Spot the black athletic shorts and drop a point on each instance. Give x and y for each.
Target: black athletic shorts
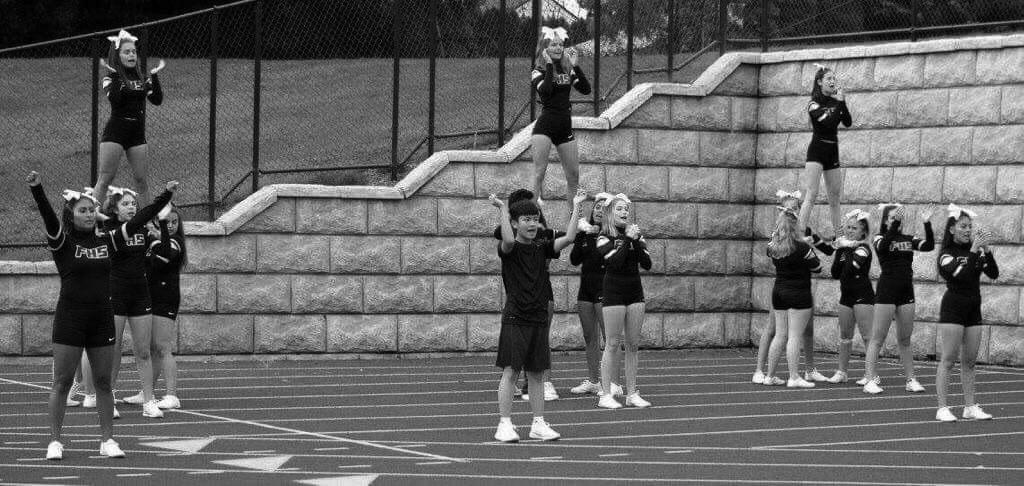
(960, 309)
(83, 327)
(127, 133)
(850, 297)
(556, 127)
(784, 298)
(130, 297)
(165, 298)
(524, 348)
(894, 291)
(591, 288)
(618, 290)
(825, 153)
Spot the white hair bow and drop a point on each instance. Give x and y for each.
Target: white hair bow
(602, 197)
(882, 206)
(122, 36)
(555, 33)
(858, 214)
(957, 211)
(820, 66)
(70, 195)
(112, 191)
(783, 194)
(623, 197)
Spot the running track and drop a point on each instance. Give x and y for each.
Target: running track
(431, 421)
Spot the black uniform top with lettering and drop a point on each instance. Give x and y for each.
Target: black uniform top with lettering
(554, 86)
(627, 262)
(129, 262)
(896, 250)
(962, 269)
(826, 114)
(524, 273)
(793, 271)
(163, 264)
(585, 255)
(128, 94)
(851, 266)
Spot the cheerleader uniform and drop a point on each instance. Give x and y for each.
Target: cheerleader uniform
(792, 288)
(163, 267)
(129, 287)
(128, 95)
(622, 284)
(896, 257)
(852, 267)
(554, 87)
(826, 114)
(592, 267)
(962, 270)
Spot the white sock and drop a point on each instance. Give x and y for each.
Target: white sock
(505, 420)
(538, 419)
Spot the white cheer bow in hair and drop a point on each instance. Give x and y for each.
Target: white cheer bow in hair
(858, 214)
(957, 211)
(783, 194)
(555, 33)
(821, 67)
(623, 197)
(112, 191)
(602, 197)
(70, 195)
(122, 36)
(882, 206)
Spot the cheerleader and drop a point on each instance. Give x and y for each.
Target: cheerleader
(84, 318)
(125, 132)
(895, 293)
(588, 300)
(826, 110)
(625, 251)
(851, 266)
(792, 302)
(555, 75)
(964, 257)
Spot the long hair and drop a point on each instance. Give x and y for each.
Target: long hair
(607, 225)
(180, 234)
(114, 61)
(947, 237)
(67, 215)
(110, 205)
(816, 95)
(883, 226)
(543, 43)
(786, 235)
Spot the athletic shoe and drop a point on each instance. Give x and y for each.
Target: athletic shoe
(913, 386)
(839, 377)
(149, 409)
(975, 412)
(758, 377)
(585, 387)
(168, 402)
(517, 391)
(550, 393)
(634, 400)
(71, 402)
(89, 401)
(110, 449)
(814, 375)
(872, 386)
(116, 400)
(117, 414)
(543, 431)
(608, 402)
(798, 383)
(136, 399)
(944, 415)
(616, 390)
(506, 432)
(773, 381)
(55, 451)
(862, 381)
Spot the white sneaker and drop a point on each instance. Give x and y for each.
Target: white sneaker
(550, 393)
(168, 402)
(758, 377)
(839, 377)
(506, 432)
(116, 400)
(944, 415)
(543, 431)
(55, 451)
(586, 387)
(872, 386)
(975, 412)
(89, 401)
(634, 400)
(117, 414)
(518, 391)
(914, 386)
(773, 381)
(798, 383)
(607, 401)
(815, 375)
(70, 401)
(862, 381)
(149, 409)
(136, 399)
(616, 390)
(110, 449)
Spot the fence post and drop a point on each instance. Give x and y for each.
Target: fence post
(765, 5)
(597, 57)
(629, 45)
(671, 48)
(395, 77)
(722, 14)
(433, 77)
(256, 88)
(95, 44)
(501, 72)
(211, 182)
(537, 17)
(915, 10)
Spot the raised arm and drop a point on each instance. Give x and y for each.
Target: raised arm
(508, 238)
(155, 93)
(54, 232)
(844, 114)
(580, 83)
(147, 213)
(812, 260)
(928, 243)
(572, 226)
(544, 82)
(113, 86)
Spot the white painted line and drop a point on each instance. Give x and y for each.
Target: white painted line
(354, 466)
(679, 452)
(31, 459)
(268, 451)
(23, 442)
(134, 475)
(323, 436)
(411, 446)
(901, 439)
(433, 463)
(546, 458)
(331, 449)
(894, 451)
(621, 454)
(651, 480)
(58, 478)
(207, 472)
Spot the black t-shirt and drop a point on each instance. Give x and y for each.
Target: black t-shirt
(524, 272)
(793, 271)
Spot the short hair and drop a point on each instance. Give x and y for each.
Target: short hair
(519, 195)
(525, 207)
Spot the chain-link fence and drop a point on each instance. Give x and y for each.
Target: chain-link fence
(267, 91)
